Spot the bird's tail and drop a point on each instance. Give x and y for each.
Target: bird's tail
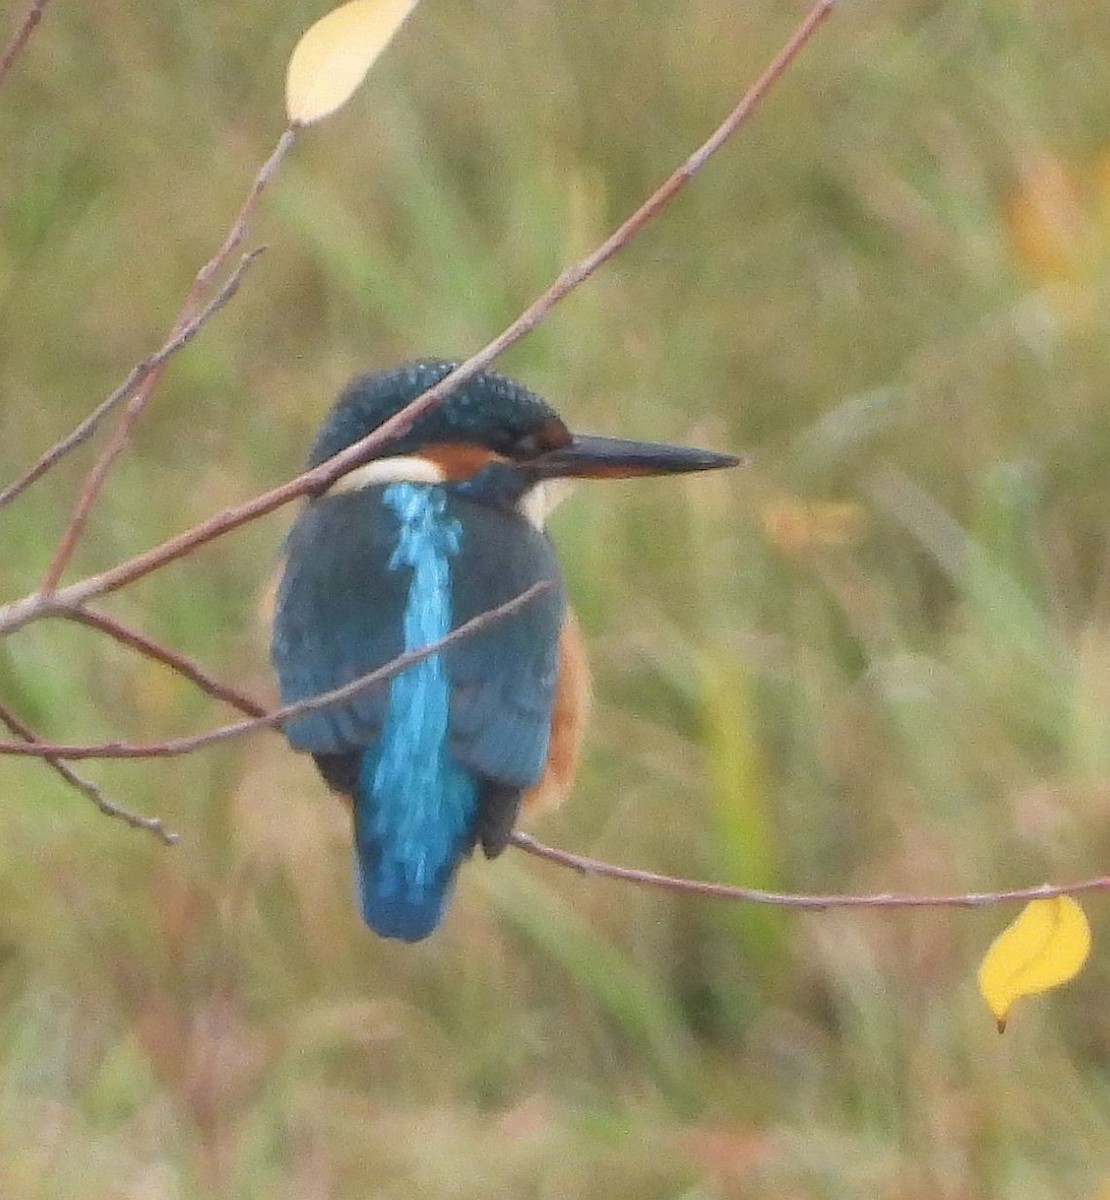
(390, 908)
(408, 847)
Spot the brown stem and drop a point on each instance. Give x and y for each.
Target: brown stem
(169, 657)
(722, 891)
(19, 39)
(120, 439)
(31, 607)
(574, 276)
(134, 377)
(186, 745)
(239, 226)
(106, 806)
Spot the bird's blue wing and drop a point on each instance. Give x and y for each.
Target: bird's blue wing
(338, 616)
(435, 759)
(503, 679)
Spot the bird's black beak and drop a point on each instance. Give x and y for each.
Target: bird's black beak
(591, 457)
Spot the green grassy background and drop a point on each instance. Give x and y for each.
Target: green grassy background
(878, 659)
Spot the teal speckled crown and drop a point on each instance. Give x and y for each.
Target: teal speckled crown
(488, 410)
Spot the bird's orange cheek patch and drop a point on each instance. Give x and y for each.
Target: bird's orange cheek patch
(461, 461)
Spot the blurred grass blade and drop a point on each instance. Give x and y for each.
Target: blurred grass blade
(333, 56)
(1010, 617)
(745, 833)
(643, 1011)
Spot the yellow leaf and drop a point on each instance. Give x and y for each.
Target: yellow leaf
(1043, 948)
(333, 56)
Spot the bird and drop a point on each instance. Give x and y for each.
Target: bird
(441, 525)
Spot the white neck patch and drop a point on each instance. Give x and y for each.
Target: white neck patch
(402, 468)
(539, 502)
(536, 505)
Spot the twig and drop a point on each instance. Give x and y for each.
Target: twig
(239, 226)
(721, 891)
(19, 39)
(120, 439)
(280, 716)
(106, 806)
(135, 376)
(169, 657)
(32, 607)
(574, 276)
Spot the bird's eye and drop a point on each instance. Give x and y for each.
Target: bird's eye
(553, 435)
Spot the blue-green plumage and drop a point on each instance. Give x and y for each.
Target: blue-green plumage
(489, 411)
(436, 759)
(414, 805)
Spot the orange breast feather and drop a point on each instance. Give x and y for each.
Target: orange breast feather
(568, 720)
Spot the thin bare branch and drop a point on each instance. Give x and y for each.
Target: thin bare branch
(94, 793)
(33, 607)
(19, 39)
(134, 377)
(120, 439)
(574, 276)
(241, 224)
(722, 891)
(280, 716)
(169, 657)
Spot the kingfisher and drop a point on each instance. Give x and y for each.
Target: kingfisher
(440, 526)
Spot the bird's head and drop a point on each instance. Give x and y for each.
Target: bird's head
(493, 439)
